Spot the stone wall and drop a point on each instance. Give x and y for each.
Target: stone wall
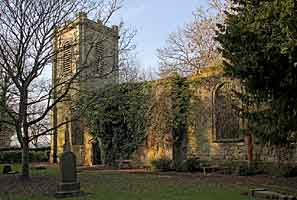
(276, 154)
(202, 141)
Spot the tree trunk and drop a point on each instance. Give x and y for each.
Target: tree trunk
(179, 153)
(55, 137)
(23, 132)
(25, 161)
(249, 143)
(109, 151)
(55, 146)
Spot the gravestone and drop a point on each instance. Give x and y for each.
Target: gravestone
(266, 194)
(69, 185)
(7, 169)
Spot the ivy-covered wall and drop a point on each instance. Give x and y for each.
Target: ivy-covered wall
(198, 117)
(116, 116)
(172, 118)
(167, 118)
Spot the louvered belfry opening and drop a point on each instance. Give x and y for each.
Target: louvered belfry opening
(4, 138)
(99, 50)
(67, 58)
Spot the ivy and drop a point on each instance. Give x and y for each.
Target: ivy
(117, 117)
(180, 97)
(123, 116)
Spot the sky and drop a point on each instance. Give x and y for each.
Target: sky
(154, 21)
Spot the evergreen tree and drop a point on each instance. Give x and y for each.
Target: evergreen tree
(259, 44)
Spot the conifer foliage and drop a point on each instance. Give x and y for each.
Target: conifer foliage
(259, 44)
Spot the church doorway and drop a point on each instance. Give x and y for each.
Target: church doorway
(96, 153)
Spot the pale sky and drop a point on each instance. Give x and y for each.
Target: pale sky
(154, 20)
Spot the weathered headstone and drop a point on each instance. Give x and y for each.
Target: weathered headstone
(7, 169)
(69, 185)
(261, 193)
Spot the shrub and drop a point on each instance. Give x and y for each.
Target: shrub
(283, 171)
(16, 156)
(273, 169)
(39, 156)
(189, 165)
(291, 172)
(244, 170)
(162, 164)
(11, 156)
(192, 165)
(237, 167)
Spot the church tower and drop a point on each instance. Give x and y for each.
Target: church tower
(87, 56)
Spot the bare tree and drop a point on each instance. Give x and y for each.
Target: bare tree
(128, 67)
(193, 46)
(27, 32)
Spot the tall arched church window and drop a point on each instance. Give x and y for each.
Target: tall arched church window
(67, 58)
(99, 56)
(226, 119)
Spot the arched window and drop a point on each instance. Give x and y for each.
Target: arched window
(67, 58)
(225, 115)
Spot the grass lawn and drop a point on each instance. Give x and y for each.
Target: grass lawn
(104, 185)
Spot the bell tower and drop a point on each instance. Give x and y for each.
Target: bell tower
(87, 56)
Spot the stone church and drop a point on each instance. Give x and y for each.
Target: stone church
(89, 50)
(214, 129)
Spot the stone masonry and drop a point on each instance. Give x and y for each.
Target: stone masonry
(89, 49)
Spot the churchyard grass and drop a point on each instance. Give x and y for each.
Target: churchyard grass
(113, 185)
